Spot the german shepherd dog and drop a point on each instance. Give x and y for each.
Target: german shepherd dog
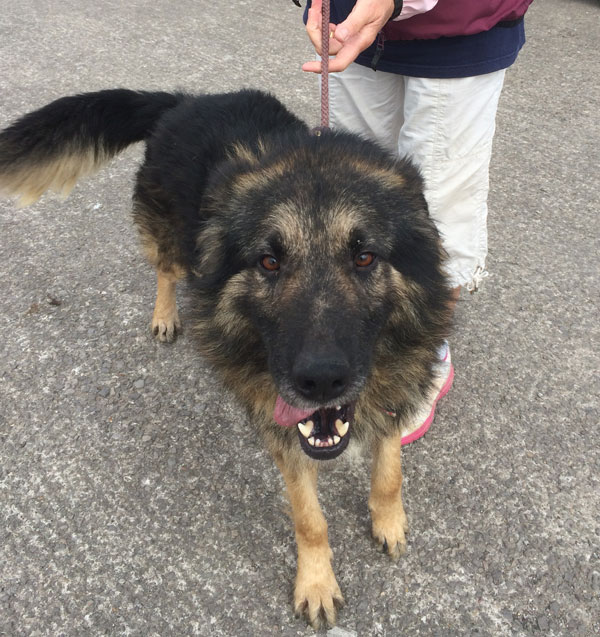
(316, 273)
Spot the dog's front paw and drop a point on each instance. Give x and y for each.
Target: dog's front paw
(165, 326)
(317, 596)
(389, 531)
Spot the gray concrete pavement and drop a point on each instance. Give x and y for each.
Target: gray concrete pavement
(134, 498)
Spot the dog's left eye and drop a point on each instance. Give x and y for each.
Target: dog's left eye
(364, 259)
(269, 262)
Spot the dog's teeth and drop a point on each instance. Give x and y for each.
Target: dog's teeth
(311, 441)
(339, 407)
(336, 439)
(306, 428)
(329, 441)
(342, 427)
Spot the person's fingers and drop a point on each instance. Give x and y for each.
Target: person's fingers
(317, 41)
(351, 37)
(312, 67)
(370, 16)
(313, 19)
(334, 46)
(313, 28)
(346, 55)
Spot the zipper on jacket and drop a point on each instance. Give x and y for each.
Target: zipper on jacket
(378, 51)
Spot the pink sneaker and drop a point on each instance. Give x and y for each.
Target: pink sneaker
(442, 384)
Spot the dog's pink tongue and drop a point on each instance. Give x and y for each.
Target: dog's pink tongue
(288, 416)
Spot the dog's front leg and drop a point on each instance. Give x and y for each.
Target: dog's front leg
(316, 594)
(385, 502)
(165, 320)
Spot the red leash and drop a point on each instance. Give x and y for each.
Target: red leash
(325, 35)
(325, 64)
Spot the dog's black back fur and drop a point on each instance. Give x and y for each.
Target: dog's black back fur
(194, 144)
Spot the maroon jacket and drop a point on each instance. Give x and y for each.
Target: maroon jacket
(456, 17)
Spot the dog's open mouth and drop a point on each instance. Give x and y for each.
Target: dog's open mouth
(324, 433)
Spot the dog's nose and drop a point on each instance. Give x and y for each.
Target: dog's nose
(321, 378)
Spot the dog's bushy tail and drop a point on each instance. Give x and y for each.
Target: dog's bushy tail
(55, 146)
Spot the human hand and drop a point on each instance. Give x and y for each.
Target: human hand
(349, 38)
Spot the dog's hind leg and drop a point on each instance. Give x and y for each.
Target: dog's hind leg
(317, 594)
(165, 320)
(389, 523)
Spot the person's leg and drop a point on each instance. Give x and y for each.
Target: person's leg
(448, 129)
(371, 104)
(368, 103)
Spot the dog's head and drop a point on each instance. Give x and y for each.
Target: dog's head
(318, 259)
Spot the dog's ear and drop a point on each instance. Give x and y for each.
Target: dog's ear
(417, 247)
(217, 256)
(418, 253)
(218, 249)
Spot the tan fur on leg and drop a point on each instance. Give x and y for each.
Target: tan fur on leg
(385, 502)
(165, 321)
(317, 594)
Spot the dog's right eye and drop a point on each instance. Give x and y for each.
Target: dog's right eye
(269, 262)
(364, 259)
